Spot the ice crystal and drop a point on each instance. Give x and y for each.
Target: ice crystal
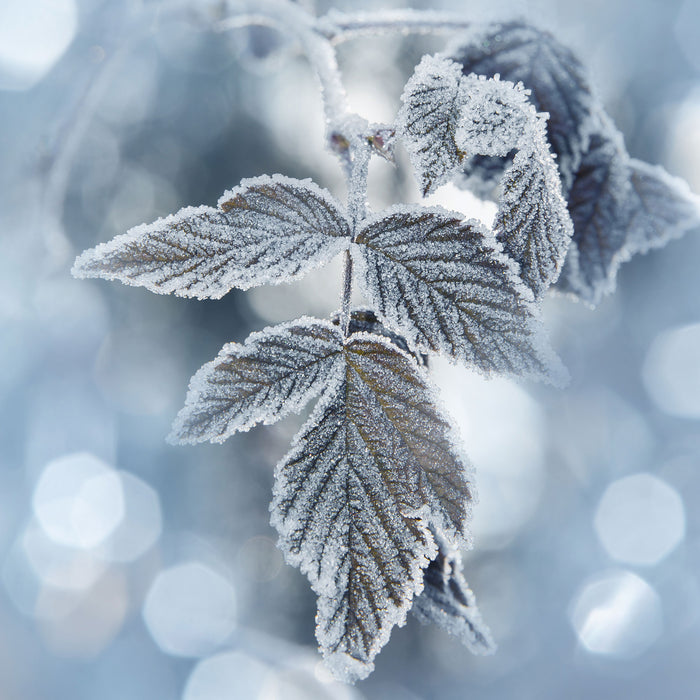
(492, 118)
(495, 118)
(532, 221)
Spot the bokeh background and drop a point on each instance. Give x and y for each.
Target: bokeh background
(133, 569)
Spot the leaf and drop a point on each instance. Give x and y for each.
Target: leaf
(448, 602)
(621, 207)
(660, 207)
(270, 229)
(555, 77)
(428, 118)
(532, 221)
(445, 285)
(354, 499)
(275, 372)
(496, 117)
(597, 202)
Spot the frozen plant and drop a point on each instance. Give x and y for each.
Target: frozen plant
(373, 500)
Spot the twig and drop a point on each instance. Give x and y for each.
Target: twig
(340, 26)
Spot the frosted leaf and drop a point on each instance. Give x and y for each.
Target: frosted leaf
(354, 499)
(597, 202)
(269, 229)
(445, 285)
(495, 117)
(532, 221)
(273, 373)
(660, 207)
(448, 602)
(428, 118)
(555, 77)
(621, 207)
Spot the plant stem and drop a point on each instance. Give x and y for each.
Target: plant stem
(347, 294)
(340, 26)
(360, 153)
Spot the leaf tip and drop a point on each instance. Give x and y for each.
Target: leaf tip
(557, 374)
(174, 437)
(347, 668)
(82, 268)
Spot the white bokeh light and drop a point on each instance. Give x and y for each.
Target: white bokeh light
(617, 614)
(141, 525)
(64, 568)
(683, 138)
(230, 675)
(78, 500)
(503, 433)
(672, 371)
(640, 519)
(34, 34)
(190, 610)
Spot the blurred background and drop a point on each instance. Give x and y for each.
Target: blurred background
(133, 569)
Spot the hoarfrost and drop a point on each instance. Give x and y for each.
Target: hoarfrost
(354, 500)
(445, 284)
(596, 201)
(620, 207)
(495, 116)
(269, 229)
(660, 207)
(448, 602)
(428, 119)
(277, 371)
(532, 221)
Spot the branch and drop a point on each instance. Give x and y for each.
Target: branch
(340, 26)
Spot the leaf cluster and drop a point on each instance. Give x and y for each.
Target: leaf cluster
(619, 206)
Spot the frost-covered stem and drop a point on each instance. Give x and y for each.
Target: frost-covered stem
(340, 26)
(359, 153)
(347, 293)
